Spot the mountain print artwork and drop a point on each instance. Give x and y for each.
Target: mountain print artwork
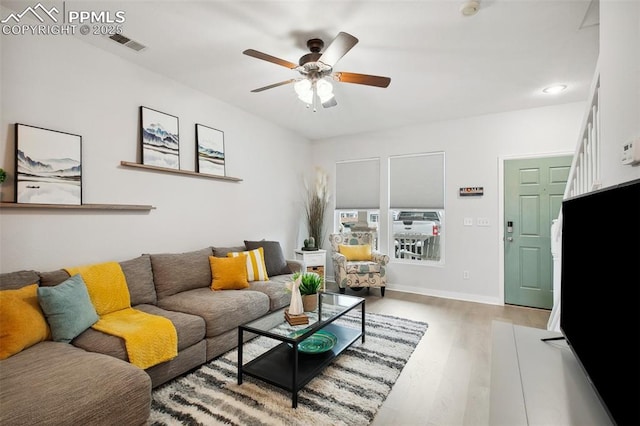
(210, 150)
(160, 140)
(49, 168)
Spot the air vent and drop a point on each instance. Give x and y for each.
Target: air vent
(126, 41)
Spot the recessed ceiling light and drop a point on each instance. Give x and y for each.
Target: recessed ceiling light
(470, 8)
(554, 90)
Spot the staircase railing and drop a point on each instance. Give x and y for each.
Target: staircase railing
(584, 176)
(585, 168)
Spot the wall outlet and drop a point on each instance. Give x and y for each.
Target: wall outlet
(465, 275)
(482, 221)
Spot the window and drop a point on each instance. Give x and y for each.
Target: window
(358, 196)
(350, 220)
(416, 196)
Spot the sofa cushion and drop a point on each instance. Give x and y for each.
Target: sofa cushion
(177, 272)
(51, 278)
(223, 251)
(221, 310)
(57, 383)
(68, 308)
(139, 277)
(92, 340)
(256, 269)
(22, 323)
(190, 329)
(229, 273)
(18, 279)
(273, 256)
(363, 268)
(137, 272)
(275, 289)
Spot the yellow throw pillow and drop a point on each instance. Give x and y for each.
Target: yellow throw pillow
(355, 252)
(107, 286)
(22, 323)
(229, 273)
(256, 268)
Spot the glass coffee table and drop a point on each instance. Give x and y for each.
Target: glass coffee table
(305, 350)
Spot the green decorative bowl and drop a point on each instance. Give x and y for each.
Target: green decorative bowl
(319, 342)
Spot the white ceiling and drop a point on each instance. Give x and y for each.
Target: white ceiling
(442, 64)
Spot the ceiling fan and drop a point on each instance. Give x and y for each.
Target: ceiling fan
(316, 69)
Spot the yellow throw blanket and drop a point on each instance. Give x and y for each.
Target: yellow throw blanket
(149, 339)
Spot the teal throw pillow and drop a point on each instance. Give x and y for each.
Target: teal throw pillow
(68, 308)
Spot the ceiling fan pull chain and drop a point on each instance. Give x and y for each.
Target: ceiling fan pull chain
(315, 97)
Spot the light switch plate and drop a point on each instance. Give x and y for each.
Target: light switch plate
(468, 221)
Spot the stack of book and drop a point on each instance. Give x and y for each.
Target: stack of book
(296, 319)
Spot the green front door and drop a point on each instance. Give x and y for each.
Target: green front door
(533, 191)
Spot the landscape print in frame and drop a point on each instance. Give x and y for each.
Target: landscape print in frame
(48, 166)
(210, 150)
(160, 139)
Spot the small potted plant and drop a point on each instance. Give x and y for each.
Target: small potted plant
(310, 284)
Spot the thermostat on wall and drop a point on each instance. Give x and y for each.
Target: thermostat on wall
(631, 152)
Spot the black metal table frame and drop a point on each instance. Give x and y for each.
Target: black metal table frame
(289, 348)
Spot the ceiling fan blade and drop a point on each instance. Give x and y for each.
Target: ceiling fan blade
(338, 48)
(330, 103)
(369, 80)
(269, 58)
(271, 86)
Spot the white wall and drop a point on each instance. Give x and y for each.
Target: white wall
(64, 84)
(619, 64)
(474, 150)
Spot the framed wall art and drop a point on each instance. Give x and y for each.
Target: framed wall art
(48, 166)
(160, 141)
(210, 150)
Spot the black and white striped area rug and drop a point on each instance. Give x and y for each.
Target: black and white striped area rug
(348, 392)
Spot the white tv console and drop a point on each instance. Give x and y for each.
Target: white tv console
(539, 383)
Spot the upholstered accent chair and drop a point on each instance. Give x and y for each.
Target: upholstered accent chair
(357, 265)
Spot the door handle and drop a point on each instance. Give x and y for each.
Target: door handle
(510, 239)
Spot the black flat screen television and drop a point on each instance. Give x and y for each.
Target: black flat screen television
(600, 293)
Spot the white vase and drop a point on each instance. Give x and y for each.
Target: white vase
(296, 307)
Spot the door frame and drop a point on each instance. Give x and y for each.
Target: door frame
(501, 236)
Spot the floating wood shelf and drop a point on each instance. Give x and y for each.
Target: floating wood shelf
(179, 172)
(76, 207)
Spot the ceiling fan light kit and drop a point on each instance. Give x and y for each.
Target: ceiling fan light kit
(317, 69)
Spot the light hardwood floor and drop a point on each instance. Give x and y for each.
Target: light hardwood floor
(446, 381)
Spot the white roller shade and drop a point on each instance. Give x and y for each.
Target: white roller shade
(417, 181)
(358, 185)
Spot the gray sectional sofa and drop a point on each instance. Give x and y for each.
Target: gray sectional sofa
(90, 381)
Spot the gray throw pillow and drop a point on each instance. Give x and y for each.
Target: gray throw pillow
(223, 251)
(68, 308)
(273, 257)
